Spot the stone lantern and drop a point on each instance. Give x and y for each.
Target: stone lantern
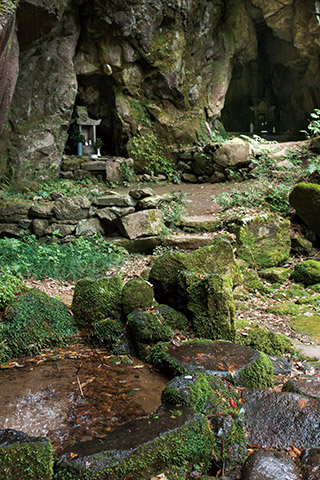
(87, 127)
(263, 117)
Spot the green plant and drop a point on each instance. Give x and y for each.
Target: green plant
(76, 136)
(67, 261)
(127, 172)
(173, 208)
(151, 156)
(99, 143)
(314, 124)
(10, 285)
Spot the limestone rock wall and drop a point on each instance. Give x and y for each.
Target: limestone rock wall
(152, 67)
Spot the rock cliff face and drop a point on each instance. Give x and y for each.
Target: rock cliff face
(159, 69)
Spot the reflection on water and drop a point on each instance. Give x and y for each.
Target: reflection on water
(46, 399)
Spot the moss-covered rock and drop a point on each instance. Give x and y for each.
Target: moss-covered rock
(97, 299)
(25, 458)
(216, 258)
(307, 272)
(262, 240)
(210, 395)
(300, 245)
(110, 333)
(238, 363)
(136, 293)
(284, 308)
(305, 198)
(35, 320)
(147, 328)
(276, 275)
(174, 319)
(307, 325)
(265, 341)
(211, 306)
(142, 449)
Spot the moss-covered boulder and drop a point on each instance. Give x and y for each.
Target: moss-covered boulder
(307, 272)
(141, 449)
(216, 258)
(211, 306)
(25, 458)
(34, 320)
(266, 341)
(110, 333)
(284, 308)
(262, 240)
(147, 328)
(238, 363)
(305, 198)
(136, 293)
(300, 245)
(307, 325)
(276, 275)
(211, 396)
(174, 319)
(97, 299)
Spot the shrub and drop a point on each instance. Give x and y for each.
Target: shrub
(10, 285)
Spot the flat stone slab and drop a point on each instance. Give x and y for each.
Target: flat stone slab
(134, 450)
(187, 242)
(278, 420)
(203, 223)
(215, 358)
(304, 385)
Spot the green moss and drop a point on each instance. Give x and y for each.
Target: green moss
(259, 374)
(165, 273)
(34, 321)
(315, 287)
(265, 341)
(174, 319)
(296, 291)
(146, 329)
(307, 272)
(276, 275)
(109, 333)
(263, 240)
(307, 325)
(159, 356)
(97, 299)
(285, 308)
(136, 293)
(10, 285)
(28, 460)
(211, 304)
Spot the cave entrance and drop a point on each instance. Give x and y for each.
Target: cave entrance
(276, 77)
(95, 92)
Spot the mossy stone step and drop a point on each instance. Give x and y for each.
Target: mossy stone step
(243, 364)
(142, 448)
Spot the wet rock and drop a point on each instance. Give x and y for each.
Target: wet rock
(305, 198)
(35, 456)
(233, 154)
(311, 464)
(280, 366)
(304, 385)
(143, 448)
(246, 366)
(262, 240)
(141, 224)
(276, 420)
(267, 465)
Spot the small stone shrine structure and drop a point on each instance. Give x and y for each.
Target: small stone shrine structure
(263, 116)
(87, 127)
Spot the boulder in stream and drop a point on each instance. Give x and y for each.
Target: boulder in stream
(268, 465)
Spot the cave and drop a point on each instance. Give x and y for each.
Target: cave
(95, 92)
(278, 77)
